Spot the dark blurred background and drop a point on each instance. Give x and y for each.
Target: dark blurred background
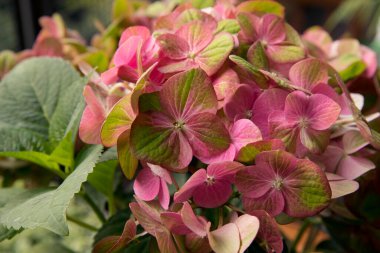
(19, 18)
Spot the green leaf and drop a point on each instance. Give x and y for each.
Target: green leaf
(40, 103)
(121, 9)
(262, 7)
(200, 4)
(47, 210)
(228, 25)
(98, 60)
(102, 178)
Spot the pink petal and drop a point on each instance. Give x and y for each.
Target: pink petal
(243, 132)
(270, 100)
(173, 221)
(228, 155)
(164, 195)
(196, 224)
(174, 46)
(308, 73)
(161, 172)
(110, 76)
(296, 107)
(352, 167)
(146, 185)
(197, 34)
(92, 118)
(165, 241)
(370, 59)
(272, 29)
(186, 191)
(322, 112)
(140, 31)
(224, 170)
(126, 53)
(174, 66)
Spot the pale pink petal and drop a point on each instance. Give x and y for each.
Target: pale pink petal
(186, 191)
(341, 186)
(370, 59)
(146, 185)
(353, 141)
(248, 226)
(352, 167)
(225, 239)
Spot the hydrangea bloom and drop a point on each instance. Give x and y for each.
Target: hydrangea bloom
(247, 113)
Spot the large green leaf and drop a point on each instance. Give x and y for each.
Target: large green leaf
(47, 210)
(40, 103)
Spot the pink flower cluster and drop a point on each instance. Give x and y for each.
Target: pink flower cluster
(255, 116)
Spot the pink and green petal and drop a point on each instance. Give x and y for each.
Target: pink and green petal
(211, 58)
(315, 141)
(285, 53)
(308, 73)
(243, 132)
(173, 46)
(306, 190)
(272, 202)
(197, 34)
(197, 225)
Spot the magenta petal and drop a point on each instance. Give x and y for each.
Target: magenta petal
(352, 167)
(186, 191)
(272, 202)
(146, 185)
(254, 181)
(223, 170)
(296, 107)
(243, 132)
(239, 105)
(213, 195)
(269, 232)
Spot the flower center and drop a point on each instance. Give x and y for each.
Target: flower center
(304, 122)
(192, 55)
(178, 124)
(248, 114)
(210, 180)
(277, 183)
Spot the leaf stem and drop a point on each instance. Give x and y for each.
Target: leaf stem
(302, 230)
(111, 205)
(81, 223)
(94, 207)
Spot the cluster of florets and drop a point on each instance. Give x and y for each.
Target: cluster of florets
(257, 117)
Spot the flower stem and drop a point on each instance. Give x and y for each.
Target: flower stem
(94, 207)
(301, 232)
(81, 223)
